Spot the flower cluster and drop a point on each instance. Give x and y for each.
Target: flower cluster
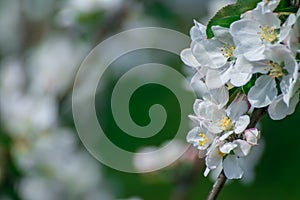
(222, 131)
(256, 61)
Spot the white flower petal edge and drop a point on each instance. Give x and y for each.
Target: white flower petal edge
(278, 108)
(241, 124)
(263, 92)
(198, 32)
(188, 58)
(232, 169)
(252, 135)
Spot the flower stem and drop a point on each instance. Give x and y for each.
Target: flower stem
(256, 115)
(217, 187)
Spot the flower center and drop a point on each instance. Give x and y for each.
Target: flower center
(225, 123)
(220, 153)
(268, 33)
(227, 50)
(203, 139)
(267, 2)
(276, 70)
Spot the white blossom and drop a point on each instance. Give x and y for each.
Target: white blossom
(282, 67)
(293, 39)
(255, 32)
(260, 51)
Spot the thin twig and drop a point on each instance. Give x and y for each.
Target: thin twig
(256, 115)
(217, 187)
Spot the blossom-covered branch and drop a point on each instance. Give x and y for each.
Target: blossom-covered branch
(247, 69)
(256, 115)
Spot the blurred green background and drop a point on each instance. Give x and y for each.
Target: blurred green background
(42, 44)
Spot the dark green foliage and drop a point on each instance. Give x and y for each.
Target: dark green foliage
(229, 14)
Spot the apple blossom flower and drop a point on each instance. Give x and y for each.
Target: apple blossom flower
(200, 138)
(259, 48)
(198, 32)
(231, 119)
(293, 39)
(218, 57)
(255, 32)
(218, 153)
(282, 68)
(286, 28)
(215, 60)
(278, 108)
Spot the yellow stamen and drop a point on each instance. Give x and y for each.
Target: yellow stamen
(225, 123)
(227, 50)
(229, 86)
(220, 153)
(268, 33)
(203, 139)
(275, 70)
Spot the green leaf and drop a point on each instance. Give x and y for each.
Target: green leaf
(283, 4)
(289, 6)
(229, 14)
(249, 85)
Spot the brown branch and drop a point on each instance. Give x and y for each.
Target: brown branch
(256, 115)
(217, 187)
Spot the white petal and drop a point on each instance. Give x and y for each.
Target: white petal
(220, 96)
(216, 78)
(238, 107)
(188, 58)
(286, 27)
(208, 53)
(225, 135)
(263, 92)
(206, 172)
(194, 118)
(213, 158)
(243, 148)
(269, 6)
(231, 167)
(201, 73)
(214, 127)
(264, 15)
(252, 135)
(279, 53)
(279, 110)
(293, 39)
(227, 147)
(241, 124)
(269, 19)
(193, 136)
(243, 69)
(222, 34)
(196, 80)
(198, 32)
(239, 79)
(216, 172)
(197, 105)
(243, 65)
(247, 40)
(286, 85)
(208, 110)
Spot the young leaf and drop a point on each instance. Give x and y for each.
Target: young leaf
(229, 14)
(287, 6)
